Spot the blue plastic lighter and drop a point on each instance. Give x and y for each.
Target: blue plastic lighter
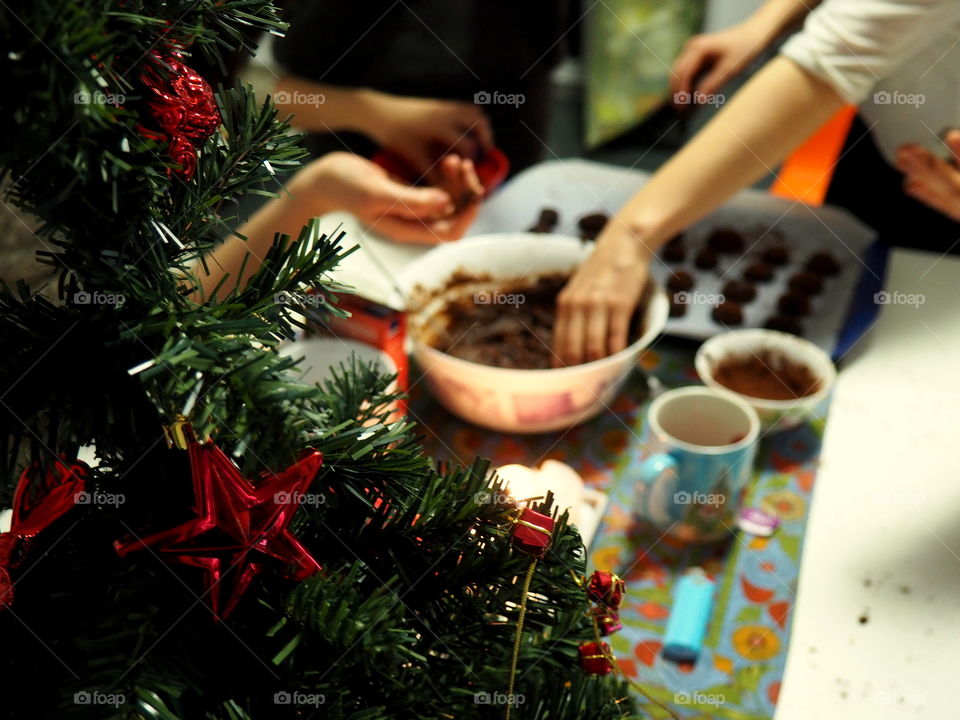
(689, 616)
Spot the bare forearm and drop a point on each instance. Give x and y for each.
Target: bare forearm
(775, 16)
(323, 108)
(773, 114)
(284, 214)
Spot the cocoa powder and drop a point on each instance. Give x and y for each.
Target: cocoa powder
(767, 374)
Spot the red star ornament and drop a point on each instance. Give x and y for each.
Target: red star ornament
(255, 519)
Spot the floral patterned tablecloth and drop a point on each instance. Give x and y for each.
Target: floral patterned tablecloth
(737, 676)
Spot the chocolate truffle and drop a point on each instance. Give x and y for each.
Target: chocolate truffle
(759, 272)
(728, 313)
(806, 282)
(677, 309)
(674, 252)
(706, 259)
(538, 228)
(592, 224)
(548, 218)
(740, 291)
(784, 324)
(726, 240)
(794, 303)
(823, 263)
(776, 255)
(679, 281)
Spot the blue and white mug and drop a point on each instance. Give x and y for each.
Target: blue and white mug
(703, 442)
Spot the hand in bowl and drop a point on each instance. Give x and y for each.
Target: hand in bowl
(595, 307)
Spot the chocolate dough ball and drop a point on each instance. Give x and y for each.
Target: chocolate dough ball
(739, 290)
(674, 252)
(706, 259)
(823, 263)
(807, 283)
(548, 218)
(776, 255)
(728, 313)
(794, 303)
(680, 280)
(677, 309)
(726, 240)
(784, 324)
(759, 272)
(592, 224)
(542, 229)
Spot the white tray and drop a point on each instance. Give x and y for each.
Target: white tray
(579, 187)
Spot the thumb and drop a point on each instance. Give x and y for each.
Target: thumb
(953, 142)
(713, 80)
(414, 203)
(691, 63)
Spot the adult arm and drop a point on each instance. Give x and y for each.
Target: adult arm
(771, 115)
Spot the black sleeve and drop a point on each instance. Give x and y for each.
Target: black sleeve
(323, 33)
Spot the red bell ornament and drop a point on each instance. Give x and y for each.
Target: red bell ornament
(595, 658)
(606, 588)
(533, 533)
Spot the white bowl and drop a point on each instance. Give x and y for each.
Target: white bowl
(774, 415)
(323, 356)
(518, 401)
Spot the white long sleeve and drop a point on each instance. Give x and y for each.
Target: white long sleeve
(898, 59)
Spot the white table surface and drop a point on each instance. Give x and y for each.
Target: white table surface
(883, 540)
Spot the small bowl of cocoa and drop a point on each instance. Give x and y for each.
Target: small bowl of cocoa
(782, 376)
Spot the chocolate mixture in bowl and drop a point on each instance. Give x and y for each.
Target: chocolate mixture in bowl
(509, 325)
(768, 374)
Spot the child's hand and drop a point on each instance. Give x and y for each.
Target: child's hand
(931, 179)
(459, 182)
(427, 215)
(422, 130)
(709, 60)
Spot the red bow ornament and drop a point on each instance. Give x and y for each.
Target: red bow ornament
(36, 506)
